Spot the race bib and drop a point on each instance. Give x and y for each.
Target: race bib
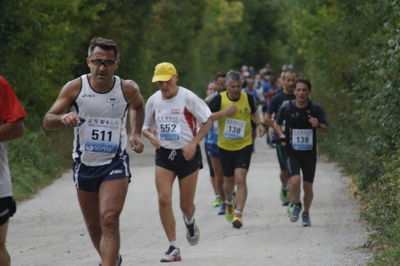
(234, 128)
(102, 135)
(302, 139)
(169, 127)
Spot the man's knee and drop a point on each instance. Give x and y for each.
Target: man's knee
(187, 207)
(295, 180)
(110, 219)
(164, 201)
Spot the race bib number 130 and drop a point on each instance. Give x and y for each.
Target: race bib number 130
(302, 139)
(234, 128)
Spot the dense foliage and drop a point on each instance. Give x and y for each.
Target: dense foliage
(349, 49)
(44, 45)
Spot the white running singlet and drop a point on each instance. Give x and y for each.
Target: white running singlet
(5, 178)
(101, 134)
(177, 118)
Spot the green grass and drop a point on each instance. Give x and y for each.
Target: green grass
(37, 159)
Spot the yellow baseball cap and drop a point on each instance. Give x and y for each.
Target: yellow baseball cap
(164, 72)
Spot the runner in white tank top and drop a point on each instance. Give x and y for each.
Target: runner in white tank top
(96, 105)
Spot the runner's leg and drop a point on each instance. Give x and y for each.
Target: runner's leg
(241, 188)
(164, 181)
(219, 175)
(294, 188)
(187, 191)
(4, 256)
(308, 195)
(89, 203)
(112, 194)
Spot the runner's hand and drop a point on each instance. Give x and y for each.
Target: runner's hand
(189, 151)
(136, 144)
(313, 121)
(155, 141)
(230, 110)
(261, 130)
(70, 119)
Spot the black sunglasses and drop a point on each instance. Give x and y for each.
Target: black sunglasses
(106, 63)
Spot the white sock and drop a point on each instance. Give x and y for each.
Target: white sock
(229, 202)
(238, 212)
(172, 243)
(188, 221)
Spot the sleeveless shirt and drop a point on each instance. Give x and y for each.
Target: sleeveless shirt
(101, 135)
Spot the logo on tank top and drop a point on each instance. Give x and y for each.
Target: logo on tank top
(88, 96)
(112, 102)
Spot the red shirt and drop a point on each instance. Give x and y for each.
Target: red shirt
(11, 109)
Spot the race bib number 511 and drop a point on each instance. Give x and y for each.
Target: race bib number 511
(102, 135)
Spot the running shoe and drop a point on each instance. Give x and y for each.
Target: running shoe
(222, 209)
(294, 214)
(229, 212)
(192, 233)
(237, 221)
(305, 217)
(290, 207)
(217, 202)
(284, 197)
(119, 260)
(171, 255)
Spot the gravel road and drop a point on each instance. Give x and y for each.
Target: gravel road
(48, 230)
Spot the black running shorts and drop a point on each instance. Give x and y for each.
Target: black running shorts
(300, 160)
(7, 209)
(230, 160)
(174, 161)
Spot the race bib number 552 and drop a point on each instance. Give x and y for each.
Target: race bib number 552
(169, 127)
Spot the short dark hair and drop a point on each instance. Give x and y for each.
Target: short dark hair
(220, 75)
(283, 74)
(304, 81)
(105, 44)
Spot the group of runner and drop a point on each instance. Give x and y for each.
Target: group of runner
(175, 120)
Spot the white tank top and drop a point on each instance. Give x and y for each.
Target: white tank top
(101, 136)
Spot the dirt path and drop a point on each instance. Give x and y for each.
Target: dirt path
(49, 230)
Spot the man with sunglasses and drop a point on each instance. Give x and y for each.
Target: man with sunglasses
(96, 105)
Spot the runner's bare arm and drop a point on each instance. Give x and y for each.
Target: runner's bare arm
(230, 110)
(136, 113)
(151, 135)
(279, 131)
(11, 130)
(189, 150)
(268, 120)
(57, 117)
(260, 126)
